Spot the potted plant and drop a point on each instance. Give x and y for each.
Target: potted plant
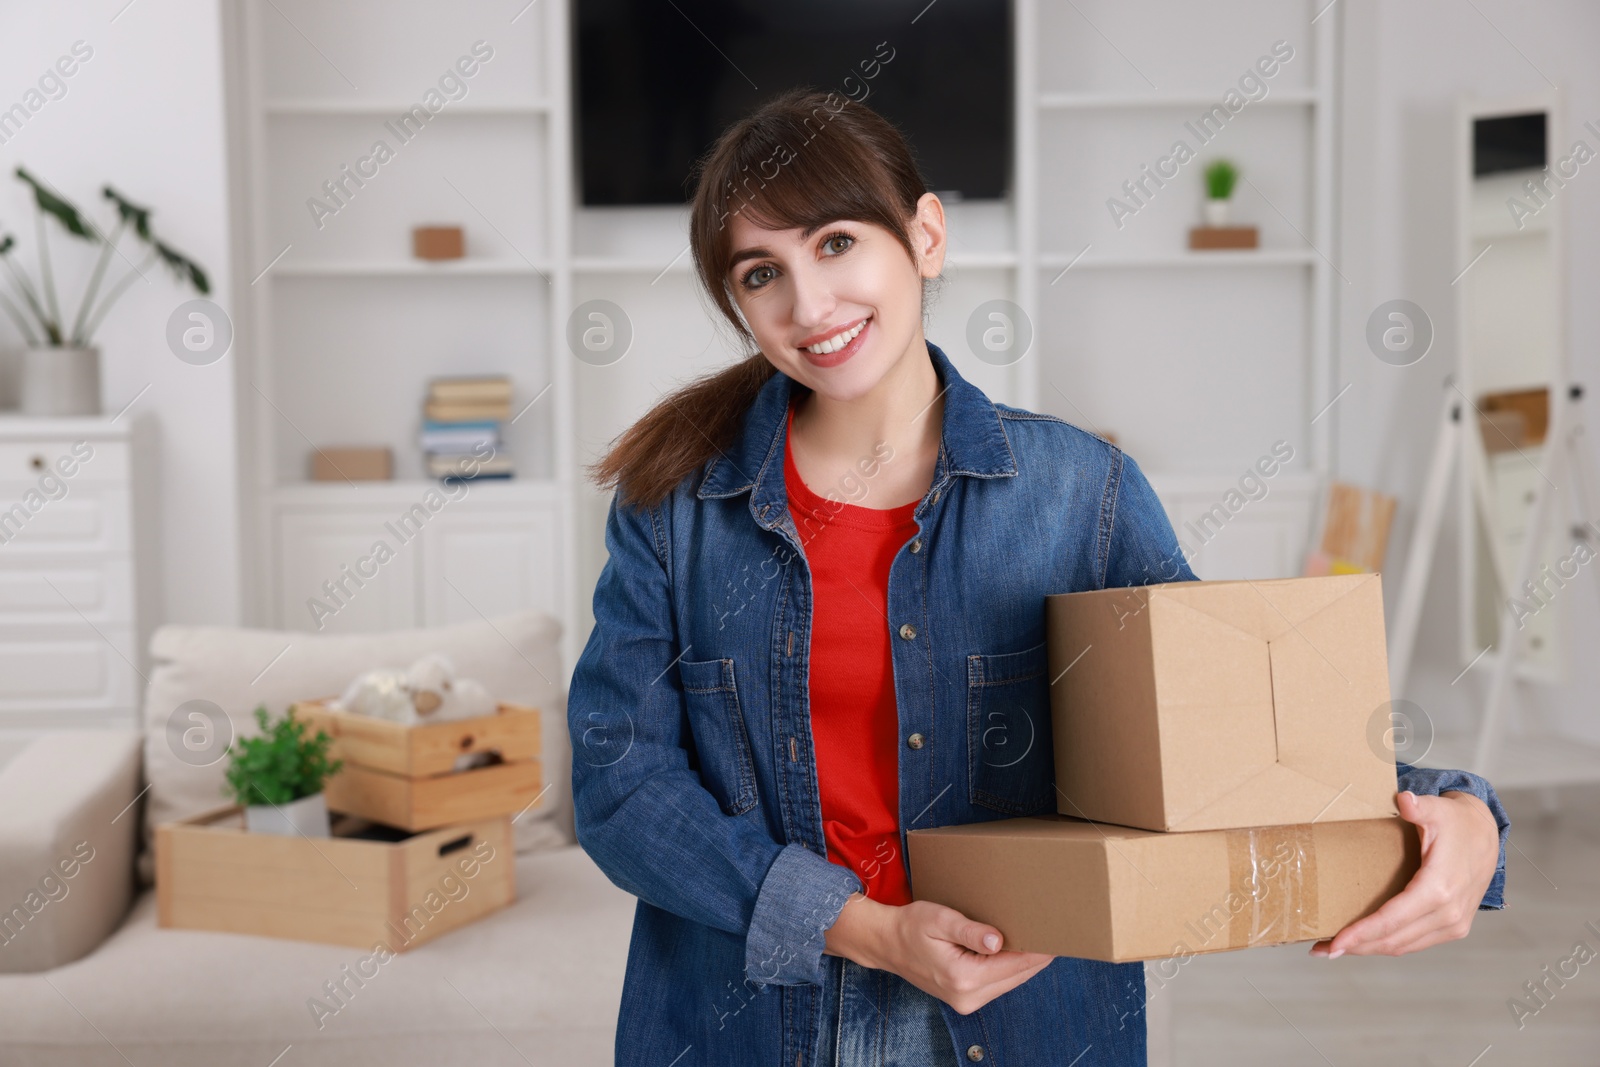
(60, 368)
(278, 777)
(1220, 178)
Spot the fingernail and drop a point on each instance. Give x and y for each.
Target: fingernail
(1336, 953)
(991, 942)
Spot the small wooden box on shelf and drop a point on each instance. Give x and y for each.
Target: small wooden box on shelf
(363, 886)
(1205, 238)
(405, 776)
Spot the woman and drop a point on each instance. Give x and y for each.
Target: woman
(822, 616)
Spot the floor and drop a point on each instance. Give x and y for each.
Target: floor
(1447, 1006)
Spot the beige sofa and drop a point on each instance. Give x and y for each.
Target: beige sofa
(87, 977)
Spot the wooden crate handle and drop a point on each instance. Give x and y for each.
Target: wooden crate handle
(455, 846)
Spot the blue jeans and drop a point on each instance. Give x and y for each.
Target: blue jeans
(873, 1018)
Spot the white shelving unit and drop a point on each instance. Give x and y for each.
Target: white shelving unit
(345, 312)
(1114, 308)
(343, 328)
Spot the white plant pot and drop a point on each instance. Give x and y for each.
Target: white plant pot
(1216, 212)
(308, 816)
(60, 381)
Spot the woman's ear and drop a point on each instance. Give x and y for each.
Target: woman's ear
(930, 230)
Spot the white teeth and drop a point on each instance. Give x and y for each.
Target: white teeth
(833, 344)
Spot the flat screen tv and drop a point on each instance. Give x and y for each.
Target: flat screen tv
(659, 80)
(1508, 142)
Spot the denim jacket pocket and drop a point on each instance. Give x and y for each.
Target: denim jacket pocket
(1011, 761)
(720, 738)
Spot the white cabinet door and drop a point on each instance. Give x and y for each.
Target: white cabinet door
(491, 562)
(346, 572)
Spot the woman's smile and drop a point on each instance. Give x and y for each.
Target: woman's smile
(856, 337)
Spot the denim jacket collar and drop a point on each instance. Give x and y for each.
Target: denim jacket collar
(971, 442)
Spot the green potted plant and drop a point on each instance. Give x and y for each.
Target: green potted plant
(60, 367)
(1220, 179)
(278, 777)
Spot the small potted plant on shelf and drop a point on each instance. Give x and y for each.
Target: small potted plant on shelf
(60, 368)
(1220, 179)
(278, 777)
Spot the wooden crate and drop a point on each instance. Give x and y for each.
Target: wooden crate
(404, 775)
(212, 874)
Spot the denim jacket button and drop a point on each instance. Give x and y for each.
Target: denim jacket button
(907, 631)
(916, 546)
(914, 741)
(974, 1053)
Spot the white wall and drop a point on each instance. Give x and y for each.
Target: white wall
(1404, 66)
(144, 114)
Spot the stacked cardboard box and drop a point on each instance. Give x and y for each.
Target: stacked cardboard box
(1225, 777)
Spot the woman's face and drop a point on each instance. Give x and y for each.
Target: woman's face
(848, 287)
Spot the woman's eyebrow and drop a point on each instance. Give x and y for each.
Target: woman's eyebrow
(757, 253)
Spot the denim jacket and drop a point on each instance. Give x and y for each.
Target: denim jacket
(694, 782)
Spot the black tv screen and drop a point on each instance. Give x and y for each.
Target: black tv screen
(658, 81)
(1508, 142)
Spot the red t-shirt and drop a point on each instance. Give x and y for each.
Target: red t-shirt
(855, 723)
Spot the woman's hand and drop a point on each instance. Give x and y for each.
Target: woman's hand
(935, 948)
(1460, 851)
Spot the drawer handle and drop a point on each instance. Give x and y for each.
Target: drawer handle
(455, 846)
(36, 462)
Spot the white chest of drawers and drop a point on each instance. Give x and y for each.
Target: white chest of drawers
(73, 552)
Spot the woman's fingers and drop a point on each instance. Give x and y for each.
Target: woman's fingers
(1459, 849)
(950, 925)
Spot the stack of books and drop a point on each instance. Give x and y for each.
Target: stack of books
(461, 421)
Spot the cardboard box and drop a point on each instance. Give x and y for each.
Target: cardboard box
(212, 874)
(1212, 705)
(1532, 404)
(405, 776)
(351, 464)
(1202, 238)
(437, 242)
(1074, 888)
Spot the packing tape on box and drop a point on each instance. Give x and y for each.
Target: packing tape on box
(1274, 868)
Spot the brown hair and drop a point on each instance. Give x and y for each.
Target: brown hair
(765, 167)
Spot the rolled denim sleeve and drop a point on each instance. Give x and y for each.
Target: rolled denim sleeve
(1141, 547)
(642, 811)
(800, 899)
(1432, 782)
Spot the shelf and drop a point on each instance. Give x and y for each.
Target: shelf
(14, 425)
(632, 264)
(1222, 257)
(406, 491)
(413, 268)
(1096, 101)
(683, 264)
(981, 260)
(398, 107)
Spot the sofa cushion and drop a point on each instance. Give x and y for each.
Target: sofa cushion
(199, 668)
(67, 836)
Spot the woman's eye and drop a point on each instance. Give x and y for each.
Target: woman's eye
(829, 243)
(750, 276)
